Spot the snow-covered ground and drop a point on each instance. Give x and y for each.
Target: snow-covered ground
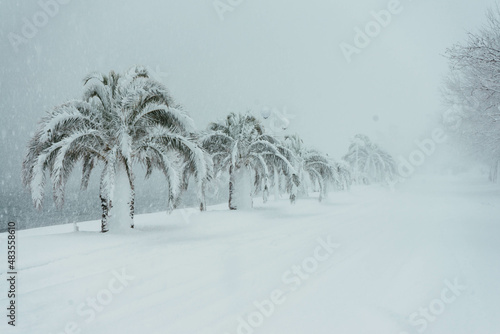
(424, 258)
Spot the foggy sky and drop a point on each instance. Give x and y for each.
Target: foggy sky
(280, 54)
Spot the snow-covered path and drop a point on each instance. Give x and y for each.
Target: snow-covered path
(421, 259)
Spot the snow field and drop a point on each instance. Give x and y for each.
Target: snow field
(409, 261)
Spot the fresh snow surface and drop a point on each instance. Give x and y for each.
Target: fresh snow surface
(422, 259)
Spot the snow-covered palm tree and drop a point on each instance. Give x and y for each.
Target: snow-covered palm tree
(240, 147)
(121, 119)
(344, 177)
(369, 163)
(313, 167)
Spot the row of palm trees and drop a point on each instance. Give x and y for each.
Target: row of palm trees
(368, 162)
(129, 119)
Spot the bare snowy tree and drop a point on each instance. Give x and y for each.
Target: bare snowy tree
(121, 119)
(472, 93)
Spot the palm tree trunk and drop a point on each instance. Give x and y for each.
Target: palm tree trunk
(131, 202)
(240, 188)
(132, 205)
(494, 172)
(321, 189)
(265, 193)
(105, 205)
(105, 194)
(232, 206)
(203, 201)
(293, 193)
(276, 184)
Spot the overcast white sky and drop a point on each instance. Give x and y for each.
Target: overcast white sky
(280, 53)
